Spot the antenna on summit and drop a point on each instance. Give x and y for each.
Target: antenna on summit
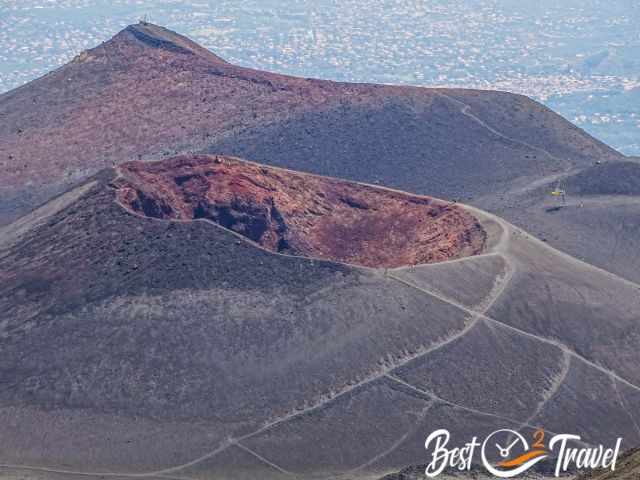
(145, 19)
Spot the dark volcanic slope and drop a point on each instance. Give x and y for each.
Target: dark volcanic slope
(176, 347)
(297, 214)
(627, 468)
(425, 141)
(171, 345)
(620, 178)
(599, 222)
(149, 92)
(120, 327)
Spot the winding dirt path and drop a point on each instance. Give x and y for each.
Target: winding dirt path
(466, 111)
(475, 315)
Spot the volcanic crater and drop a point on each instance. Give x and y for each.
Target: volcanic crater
(300, 214)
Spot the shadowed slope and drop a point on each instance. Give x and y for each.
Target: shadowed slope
(620, 178)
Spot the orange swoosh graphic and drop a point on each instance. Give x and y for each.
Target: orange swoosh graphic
(522, 458)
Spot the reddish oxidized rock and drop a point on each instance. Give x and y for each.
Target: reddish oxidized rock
(302, 214)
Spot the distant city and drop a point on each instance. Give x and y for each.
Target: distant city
(578, 57)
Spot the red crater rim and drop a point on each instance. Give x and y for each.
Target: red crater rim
(300, 214)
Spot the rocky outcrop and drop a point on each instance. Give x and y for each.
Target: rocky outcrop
(301, 214)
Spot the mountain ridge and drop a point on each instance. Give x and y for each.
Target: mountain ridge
(129, 99)
(160, 37)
